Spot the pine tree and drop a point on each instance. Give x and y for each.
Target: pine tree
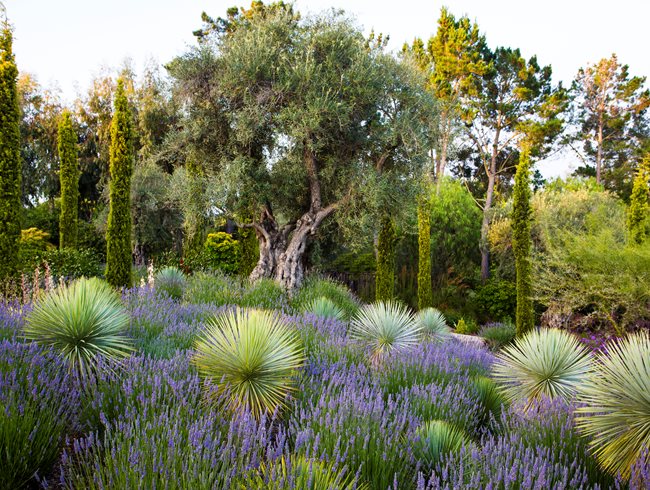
(69, 177)
(118, 233)
(639, 210)
(521, 242)
(425, 293)
(10, 162)
(385, 274)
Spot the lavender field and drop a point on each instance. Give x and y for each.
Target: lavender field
(425, 416)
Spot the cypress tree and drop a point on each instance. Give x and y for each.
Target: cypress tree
(637, 213)
(385, 274)
(69, 177)
(425, 293)
(10, 163)
(521, 242)
(118, 233)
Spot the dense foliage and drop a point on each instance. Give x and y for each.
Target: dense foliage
(118, 230)
(10, 161)
(69, 176)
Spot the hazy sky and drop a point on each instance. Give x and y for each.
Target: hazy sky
(66, 42)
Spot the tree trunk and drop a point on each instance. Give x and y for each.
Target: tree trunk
(485, 224)
(599, 151)
(282, 250)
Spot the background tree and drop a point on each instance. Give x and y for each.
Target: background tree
(385, 274)
(118, 233)
(69, 176)
(608, 106)
(514, 95)
(452, 63)
(425, 291)
(521, 242)
(10, 163)
(298, 119)
(639, 211)
(40, 109)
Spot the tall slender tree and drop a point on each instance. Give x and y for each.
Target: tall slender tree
(10, 162)
(385, 274)
(425, 292)
(608, 105)
(521, 241)
(452, 63)
(118, 233)
(69, 177)
(516, 98)
(638, 214)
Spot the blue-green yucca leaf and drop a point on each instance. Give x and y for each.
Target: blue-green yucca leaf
(326, 308)
(84, 321)
(433, 324)
(616, 397)
(300, 473)
(171, 281)
(437, 439)
(252, 355)
(385, 326)
(546, 362)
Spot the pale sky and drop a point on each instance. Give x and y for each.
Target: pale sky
(65, 42)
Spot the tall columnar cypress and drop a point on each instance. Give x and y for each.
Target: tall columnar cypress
(10, 163)
(425, 293)
(69, 177)
(639, 211)
(385, 274)
(521, 242)
(118, 233)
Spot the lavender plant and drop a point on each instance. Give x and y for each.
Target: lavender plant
(38, 401)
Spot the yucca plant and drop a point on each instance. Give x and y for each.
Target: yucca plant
(616, 411)
(490, 397)
(385, 326)
(84, 321)
(433, 324)
(546, 362)
(437, 439)
(252, 356)
(171, 281)
(326, 308)
(300, 473)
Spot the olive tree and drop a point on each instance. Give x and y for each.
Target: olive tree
(298, 120)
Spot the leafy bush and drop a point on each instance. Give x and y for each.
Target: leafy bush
(38, 403)
(264, 293)
(212, 288)
(299, 473)
(171, 281)
(251, 355)
(385, 326)
(433, 323)
(616, 414)
(547, 362)
(34, 239)
(84, 321)
(325, 308)
(498, 335)
(67, 263)
(223, 252)
(316, 287)
(466, 327)
(437, 439)
(496, 300)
